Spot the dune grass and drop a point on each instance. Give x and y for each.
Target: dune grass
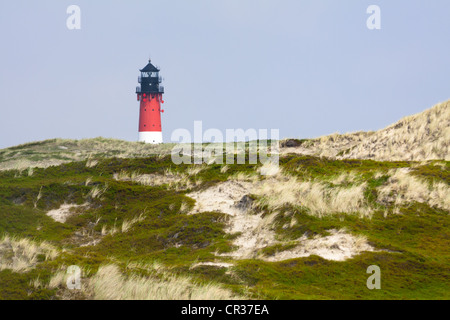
(20, 255)
(151, 222)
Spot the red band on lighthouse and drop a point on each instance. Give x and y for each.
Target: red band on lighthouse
(149, 116)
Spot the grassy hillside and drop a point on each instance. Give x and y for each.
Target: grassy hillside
(128, 223)
(420, 137)
(57, 151)
(140, 227)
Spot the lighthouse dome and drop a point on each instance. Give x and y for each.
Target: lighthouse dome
(149, 68)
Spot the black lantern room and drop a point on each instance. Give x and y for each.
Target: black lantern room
(150, 80)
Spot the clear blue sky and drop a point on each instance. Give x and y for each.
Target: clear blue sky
(307, 68)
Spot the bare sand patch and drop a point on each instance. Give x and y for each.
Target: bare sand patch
(256, 232)
(338, 246)
(221, 197)
(66, 210)
(231, 197)
(213, 264)
(255, 235)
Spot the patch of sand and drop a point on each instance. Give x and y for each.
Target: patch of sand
(62, 213)
(213, 264)
(338, 246)
(256, 232)
(90, 243)
(221, 197)
(230, 197)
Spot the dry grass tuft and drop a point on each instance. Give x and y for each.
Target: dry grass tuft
(38, 197)
(127, 224)
(242, 177)
(184, 208)
(402, 188)
(346, 177)
(60, 277)
(88, 181)
(97, 191)
(319, 199)
(195, 169)
(90, 163)
(269, 169)
(110, 284)
(36, 283)
(20, 255)
(173, 179)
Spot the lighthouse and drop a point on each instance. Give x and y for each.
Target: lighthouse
(150, 94)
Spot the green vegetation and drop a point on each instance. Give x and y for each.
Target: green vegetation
(133, 223)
